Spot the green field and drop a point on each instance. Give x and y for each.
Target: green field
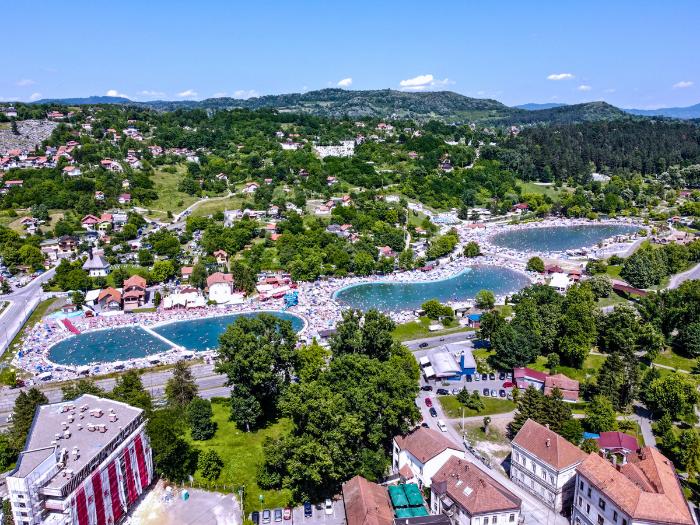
(169, 198)
(672, 359)
(590, 367)
(550, 191)
(212, 206)
(492, 405)
(242, 452)
(613, 271)
(419, 329)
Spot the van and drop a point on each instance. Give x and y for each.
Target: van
(441, 425)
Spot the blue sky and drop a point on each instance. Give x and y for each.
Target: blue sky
(630, 53)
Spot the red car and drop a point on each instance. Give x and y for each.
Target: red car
(287, 513)
(428, 402)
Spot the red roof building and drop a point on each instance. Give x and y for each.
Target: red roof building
(617, 443)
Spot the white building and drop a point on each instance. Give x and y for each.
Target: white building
(544, 464)
(220, 287)
(85, 461)
(424, 451)
(560, 282)
(643, 490)
(96, 265)
(345, 149)
(469, 496)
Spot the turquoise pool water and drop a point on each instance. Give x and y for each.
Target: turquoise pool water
(559, 238)
(121, 344)
(409, 296)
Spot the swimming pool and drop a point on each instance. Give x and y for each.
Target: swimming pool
(123, 343)
(390, 296)
(559, 238)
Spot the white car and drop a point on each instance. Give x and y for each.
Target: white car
(441, 425)
(329, 507)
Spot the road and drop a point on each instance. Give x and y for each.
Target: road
(22, 303)
(679, 278)
(436, 340)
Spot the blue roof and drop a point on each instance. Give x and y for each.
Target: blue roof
(474, 317)
(590, 435)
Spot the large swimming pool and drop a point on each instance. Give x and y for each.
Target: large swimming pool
(389, 297)
(121, 344)
(559, 238)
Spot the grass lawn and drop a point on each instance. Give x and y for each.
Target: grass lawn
(613, 300)
(213, 206)
(613, 271)
(419, 329)
(476, 434)
(590, 367)
(672, 359)
(169, 198)
(453, 408)
(551, 191)
(242, 452)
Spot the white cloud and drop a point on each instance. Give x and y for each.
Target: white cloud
(423, 83)
(560, 76)
(584, 87)
(219, 94)
(683, 84)
(346, 82)
(34, 96)
(151, 93)
(245, 93)
(188, 93)
(115, 93)
(26, 82)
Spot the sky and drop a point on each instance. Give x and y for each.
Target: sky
(640, 54)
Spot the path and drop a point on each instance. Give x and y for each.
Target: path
(679, 278)
(178, 217)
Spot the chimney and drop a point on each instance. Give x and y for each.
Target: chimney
(548, 442)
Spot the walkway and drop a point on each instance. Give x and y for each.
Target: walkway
(167, 341)
(680, 278)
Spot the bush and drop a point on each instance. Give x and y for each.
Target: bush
(600, 285)
(535, 264)
(485, 300)
(596, 267)
(472, 249)
(210, 465)
(199, 414)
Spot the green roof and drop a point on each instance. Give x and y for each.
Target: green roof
(404, 513)
(418, 511)
(413, 494)
(398, 497)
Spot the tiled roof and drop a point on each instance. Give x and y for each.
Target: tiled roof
(472, 489)
(424, 443)
(366, 503)
(219, 277)
(569, 387)
(548, 446)
(646, 487)
(617, 440)
(135, 280)
(110, 292)
(529, 373)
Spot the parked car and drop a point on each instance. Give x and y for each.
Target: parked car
(502, 393)
(428, 402)
(278, 515)
(492, 376)
(469, 378)
(494, 393)
(455, 391)
(427, 388)
(433, 412)
(477, 377)
(423, 345)
(485, 391)
(308, 510)
(287, 515)
(443, 392)
(329, 507)
(255, 517)
(424, 424)
(266, 516)
(484, 377)
(441, 425)
(502, 376)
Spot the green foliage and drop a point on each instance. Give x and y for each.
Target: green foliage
(77, 388)
(181, 388)
(535, 264)
(173, 457)
(199, 417)
(129, 389)
(471, 400)
(596, 266)
(673, 394)
(600, 415)
(26, 404)
(545, 409)
(210, 465)
(434, 309)
(589, 445)
(443, 245)
(485, 299)
(600, 285)
(471, 249)
(371, 337)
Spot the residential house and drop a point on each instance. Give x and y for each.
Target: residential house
(96, 265)
(220, 287)
(568, 387)
(423, 451)
(560, 282)
(99, 196)
(10, 112)
(186, 272)
(221, 258)
(124, 198)
(544, 464)
(134, 295)
(617, 443)
(366, 503)
(520, 208)
(110, 299)
(642, 490)
(251, 188)
(524, 377)
(469, 496)
(67, 246)
(71, 171)
(89, 222)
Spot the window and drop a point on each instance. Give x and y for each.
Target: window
(511, 518)
(601, 503)
(624, 522)
(601, 521)
(486, 521)
(615, 516)
(580, 501)
(551, 479)
(580, 485)
(588, 508)
(589, 492)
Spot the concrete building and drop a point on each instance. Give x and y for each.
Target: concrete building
(96, 265)
(642, 490)
(424, 451)
(220, 287)
(469, 496)
(544, 464)
(85, 461)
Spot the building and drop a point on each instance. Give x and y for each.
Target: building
(617, 443)
(221, 257)
(220, 287)
(544, 463)
(96, 265)
(134, 295)
(643, 489)
(424, 451)
(469, 496)
(109, 299)
(525, 377)
(366, 503)
(84, 461)
(560, 282)
(568, 387)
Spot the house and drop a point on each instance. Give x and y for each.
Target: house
(366, 503)
(134, 292)
(221, 257)
(110, 299)
(89, 222)
(544, 464)
(471, 497)
(14, 183)
(186, 272)
(71, 171)
(124, 198)
(331, 180)
(519, 208)
(251, 188)
(568, 387)
(111, 165)
(220, 287)
(386, 251)
(96, 265)
(643, 490)
(560, 282)
(186, 298)
(617, 443)
(525, 377)
(423, 451)
(9, 112)
(99, 196)
(67, 246)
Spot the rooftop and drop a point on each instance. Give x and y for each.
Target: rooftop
(424, 443)
(548, 446)
(366, 503)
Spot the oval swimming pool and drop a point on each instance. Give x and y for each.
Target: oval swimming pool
(559, 238)
(123, 343)
(390, 296)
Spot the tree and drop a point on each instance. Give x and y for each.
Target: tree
(199, 417)
(644, 268)
(310, 360)
(553, 362)
(471, 400)
(689, 451)
(76, 389)
(435, 310)
(589, 445)
(485, 300)
(371, 337)
(31, 256)
(129, 389)
(145, 257)
(257, 355)
(600, 415)
(535, 264)
(487, 422)
(181, 388)
(618, 379)
(687, 341)
(673, 394)
(157, 298)
(472, 249)
(173, 457)
(243, 276)
(600, 285)
(490, 322)
(5, 287)
(577, 326)
(78, 298)
(23, 415)
(513, 348)
(363, 263)
(210, 465)
(162, 271)
(198, 278)
(572, 430)
(530, 405)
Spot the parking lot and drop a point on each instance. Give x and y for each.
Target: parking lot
(318, 517)
(500, 381)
